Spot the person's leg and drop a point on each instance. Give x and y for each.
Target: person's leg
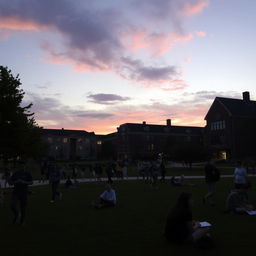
(54, 190)
(211, 192)
(23, 206)
(14, 208)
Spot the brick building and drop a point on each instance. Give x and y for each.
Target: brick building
(230, 131)
(70, 144)
(135, 140)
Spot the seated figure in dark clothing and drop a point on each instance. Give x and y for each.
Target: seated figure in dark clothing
(180, 227)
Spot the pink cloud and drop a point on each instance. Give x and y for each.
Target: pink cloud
(190, 9)
(155, 43)
(201, 33)
(167, 85)
(11, 23)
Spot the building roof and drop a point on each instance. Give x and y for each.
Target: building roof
(237, 107)
(64, 132)
(153, 128)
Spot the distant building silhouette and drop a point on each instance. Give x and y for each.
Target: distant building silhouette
(230, 131)
(144, 140)
(70, 144)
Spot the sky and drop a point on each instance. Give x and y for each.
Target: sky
(96, 64)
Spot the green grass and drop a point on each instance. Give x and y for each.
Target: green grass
(133, 227)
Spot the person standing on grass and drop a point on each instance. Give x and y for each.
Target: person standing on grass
(180, 227)
(240, 176)
(212, 175)
(20, 180)
(109, 171)
(54, 180)
(163, 171)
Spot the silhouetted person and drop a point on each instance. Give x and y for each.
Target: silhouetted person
(107, 198)
(20, 179)
(212, 175)
(54, 180)
(240, 176)
(109, 172)
(163, 171)
(180, 227)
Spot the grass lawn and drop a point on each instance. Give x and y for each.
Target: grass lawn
(133, 227)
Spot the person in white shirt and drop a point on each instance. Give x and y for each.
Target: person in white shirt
(240, 176)
(107, 198)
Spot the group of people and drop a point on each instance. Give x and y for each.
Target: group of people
(237, 199)
(180, 227)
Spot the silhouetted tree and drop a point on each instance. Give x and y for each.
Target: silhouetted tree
(19, 133)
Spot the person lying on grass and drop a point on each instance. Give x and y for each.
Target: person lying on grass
(237, 202)
(180, 227)
(106, 199)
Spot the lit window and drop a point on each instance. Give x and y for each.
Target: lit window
(99, 142)
(223, 155)
(65, 140)
(56, 147)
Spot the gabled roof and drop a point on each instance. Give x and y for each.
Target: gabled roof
(64, 132)
(237, 107)
(153, 128)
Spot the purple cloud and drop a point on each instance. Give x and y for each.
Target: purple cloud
(94, 34)
(103, 98)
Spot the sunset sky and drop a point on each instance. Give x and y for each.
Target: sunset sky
(96, 64)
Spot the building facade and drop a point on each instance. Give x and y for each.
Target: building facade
(230, 128)
(147, 140)
(69, 144)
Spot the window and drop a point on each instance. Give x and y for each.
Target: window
(99, 142)
(50, 140)
(218, 125)
(65, 140)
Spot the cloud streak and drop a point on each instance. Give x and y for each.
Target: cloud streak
(108, 99)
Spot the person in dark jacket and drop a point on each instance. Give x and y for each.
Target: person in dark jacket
(54, 180)
(20, 180)
(180, 227)
(212, 175)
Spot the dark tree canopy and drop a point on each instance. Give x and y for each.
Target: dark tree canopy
(19, 133)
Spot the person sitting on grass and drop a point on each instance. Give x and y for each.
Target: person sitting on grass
(107, 198)
(237, 202)
(180, 227)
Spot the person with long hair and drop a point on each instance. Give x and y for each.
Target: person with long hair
(180, 227)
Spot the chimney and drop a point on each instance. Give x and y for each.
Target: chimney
(144, 122)
(168, 122)
(246, 96)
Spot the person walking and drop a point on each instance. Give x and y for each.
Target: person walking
(54, 180)
(20, 179)
(212, 175)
